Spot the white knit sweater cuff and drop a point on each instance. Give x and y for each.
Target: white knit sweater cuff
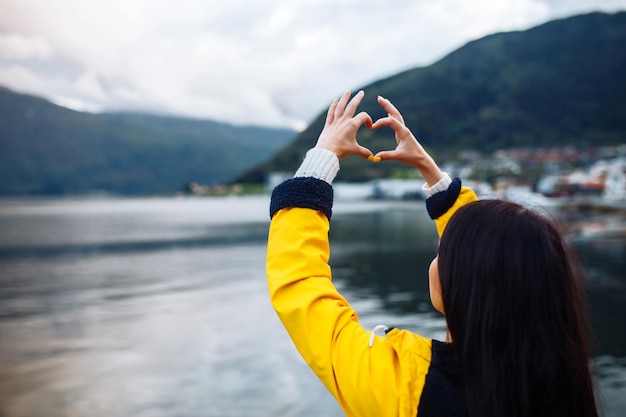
(319, 163)
(441, 185)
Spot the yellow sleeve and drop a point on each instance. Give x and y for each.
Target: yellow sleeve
(465, 196)
(385, 380)
(365, 381)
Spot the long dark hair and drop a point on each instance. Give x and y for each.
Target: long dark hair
(514, 305)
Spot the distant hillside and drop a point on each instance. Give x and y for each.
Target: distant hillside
(563, 82)
(47, 149)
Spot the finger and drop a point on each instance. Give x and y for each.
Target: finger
(363, 119)
(330, 115)
(341, 105)
(387, 155)
(363, 152)
(354, 103)
(390, 108)
(390, 121)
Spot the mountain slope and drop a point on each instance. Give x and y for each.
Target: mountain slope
(47, 149)
(561, 83)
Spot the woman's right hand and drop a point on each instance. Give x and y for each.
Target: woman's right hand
(408, 150)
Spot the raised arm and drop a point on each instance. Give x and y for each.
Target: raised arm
(319, 320)
(383, 378)
(444, 194)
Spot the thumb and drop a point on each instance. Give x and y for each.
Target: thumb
(388, 155)
(363, 152)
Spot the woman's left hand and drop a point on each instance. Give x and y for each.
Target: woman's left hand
(339, 133)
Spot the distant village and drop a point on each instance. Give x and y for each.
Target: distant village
(563, 174)
(595, 175)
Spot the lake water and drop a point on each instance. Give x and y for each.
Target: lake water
(159, 307)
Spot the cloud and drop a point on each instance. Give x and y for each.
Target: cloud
(21, 48)
(269, 62)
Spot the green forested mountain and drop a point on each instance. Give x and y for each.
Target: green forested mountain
(561, 83)
(47, 149)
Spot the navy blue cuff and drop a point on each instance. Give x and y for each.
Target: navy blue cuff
(303, 192)
(441, 202)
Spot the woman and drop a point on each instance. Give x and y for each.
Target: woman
(517, 342)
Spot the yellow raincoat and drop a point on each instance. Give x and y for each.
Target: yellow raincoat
(384, 380)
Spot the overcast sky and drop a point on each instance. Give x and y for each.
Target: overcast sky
(266, 62)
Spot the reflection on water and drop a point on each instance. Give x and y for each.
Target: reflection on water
(387, 253)
(159, 307)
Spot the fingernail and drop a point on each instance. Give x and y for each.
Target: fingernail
(361, 92)
(381, 97)
(348, 92)
(335, 101)
(373, 158)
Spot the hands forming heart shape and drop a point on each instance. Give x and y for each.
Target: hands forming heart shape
(339, 135)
